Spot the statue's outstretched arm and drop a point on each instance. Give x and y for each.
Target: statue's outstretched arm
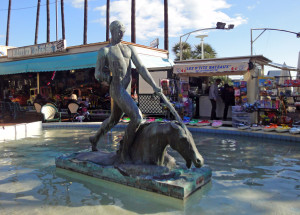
(101, 71)
(142, 70)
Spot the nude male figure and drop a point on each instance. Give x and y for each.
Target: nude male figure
(116, 58)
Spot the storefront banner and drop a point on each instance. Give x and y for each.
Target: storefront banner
(40, 49)
(215, 67)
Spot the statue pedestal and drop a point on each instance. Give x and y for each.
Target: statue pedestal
(178, 183)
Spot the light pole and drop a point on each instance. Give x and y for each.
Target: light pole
(202, 43)
(219, 25)
(269, 29)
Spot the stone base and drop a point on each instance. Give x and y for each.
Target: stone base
(178, 183)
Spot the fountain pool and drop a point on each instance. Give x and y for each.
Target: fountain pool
(250, 176)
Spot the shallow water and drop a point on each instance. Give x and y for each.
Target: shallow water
(250, 176)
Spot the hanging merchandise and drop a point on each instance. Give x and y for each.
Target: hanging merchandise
(52, 78)
(240, 92)
(165, 85)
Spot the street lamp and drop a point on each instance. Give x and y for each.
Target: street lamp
(202, 39)
(219, 25)
(271, 29)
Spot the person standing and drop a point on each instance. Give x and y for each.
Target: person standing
(228, 99)
(213, 95)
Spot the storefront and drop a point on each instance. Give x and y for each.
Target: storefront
(25, 71)
(193, 79)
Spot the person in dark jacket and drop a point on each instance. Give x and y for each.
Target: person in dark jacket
(40, 100)
(227, 95)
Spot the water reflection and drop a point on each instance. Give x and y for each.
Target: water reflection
(250, 175)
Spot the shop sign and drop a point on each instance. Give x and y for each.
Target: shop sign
(39, 49)
(154, 43)
(217, 67)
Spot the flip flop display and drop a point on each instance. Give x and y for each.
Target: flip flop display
(159, 120)
(283, 128)
(193, 122)
(151, 119)
(243, 127)
(294, 130)
(270, 127)
(126, 119)
(256, 127)
(186, 120)
(203, 123)
(216, 124)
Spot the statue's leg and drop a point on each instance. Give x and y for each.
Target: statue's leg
(130, 108)
(109, 123)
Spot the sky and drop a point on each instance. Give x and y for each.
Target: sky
(184, 16)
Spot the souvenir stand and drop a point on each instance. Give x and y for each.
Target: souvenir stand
(279, 100)
(246, 91)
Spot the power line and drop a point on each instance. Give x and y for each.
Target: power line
(23, 8)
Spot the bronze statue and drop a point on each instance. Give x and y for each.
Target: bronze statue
(114, 66)
(143, 143)
(152, 139)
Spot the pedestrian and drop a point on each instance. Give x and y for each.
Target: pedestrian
(227, 95)
(213, 96)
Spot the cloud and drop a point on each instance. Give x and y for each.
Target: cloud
(76, 3)
(252, 7)
(2, 36)
(183, 15)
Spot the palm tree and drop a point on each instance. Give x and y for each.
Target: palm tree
(209, 52)
(8, 22)
(37, 22)
(186, 51)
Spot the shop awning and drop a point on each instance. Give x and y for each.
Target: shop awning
(282, 66)
(212, 67)
(69, 62)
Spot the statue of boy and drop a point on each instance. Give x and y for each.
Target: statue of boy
(114, 66)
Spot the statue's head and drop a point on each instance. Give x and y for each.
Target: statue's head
(117, 30)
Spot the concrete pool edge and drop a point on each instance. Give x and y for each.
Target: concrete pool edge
(20, 130)
(204, 129)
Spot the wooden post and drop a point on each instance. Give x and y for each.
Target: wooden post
(8, 22)
(38, 82)
(37, 22)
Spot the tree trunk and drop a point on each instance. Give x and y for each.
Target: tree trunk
(85, 21)
(8, 22)
(133, 39)
(107, 19)
(48, 21)
(166, 28)
(62, 19)
(37, 22)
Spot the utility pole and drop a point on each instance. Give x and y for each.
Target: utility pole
(8, 22)
(56, 20)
